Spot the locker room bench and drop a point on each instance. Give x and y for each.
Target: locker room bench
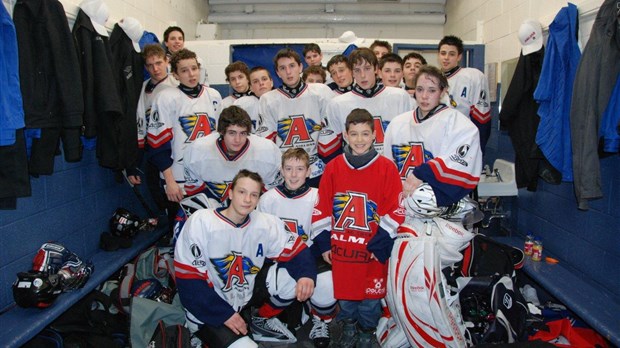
(594, 305)
(19, 325)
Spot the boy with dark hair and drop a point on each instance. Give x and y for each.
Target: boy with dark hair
(313, 74)
(211, 162)
(294, 202)
(174, 41)
(411, 65)
(180, 116)
(340, 70)
(384, 103)
(292, 114)
(391, 70)
(380, 48)
(238, 77)
(469, 88)
(312, 54)
(221, 267)
(357, 215)
(260, 83)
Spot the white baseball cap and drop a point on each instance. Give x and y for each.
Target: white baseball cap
(133, 29)
(530, 36)
(98, 13)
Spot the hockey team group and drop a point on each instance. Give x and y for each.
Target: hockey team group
(307, 186)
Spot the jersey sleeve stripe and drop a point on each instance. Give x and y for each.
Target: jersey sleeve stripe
(481, 117)
(288, 254)
(156, 141)
(451, 176)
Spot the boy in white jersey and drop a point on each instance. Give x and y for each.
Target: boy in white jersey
(174, 41)
(383, 103)
(221, 270)
(391, 70)
(469, 88)
(291, 115)
(260, 83)
(411, 66)
(238, 77)
(294, 202)
(180, 116)
(212, 162)
(340, 70)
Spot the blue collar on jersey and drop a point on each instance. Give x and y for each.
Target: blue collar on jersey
(239, 95)
(295, 91)
(452, 71)
(292, 194)
(418, 113)
(192, 92)
(334, 87)
(368, 93)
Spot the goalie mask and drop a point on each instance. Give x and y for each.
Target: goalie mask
(36, 289)
(124, 223)
(422, 203)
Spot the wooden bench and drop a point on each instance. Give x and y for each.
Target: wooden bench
(593, 304)
(19, 325)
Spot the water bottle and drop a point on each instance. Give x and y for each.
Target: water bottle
(529, 242)
(537, 249)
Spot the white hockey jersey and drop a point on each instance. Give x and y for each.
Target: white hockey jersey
(442, 150)
(227, 256)
(208, 166)
(469, 94)
(249, 103)
(294, 119)
(384, 105)
(147, 96)
(178, 119)
(296, 212)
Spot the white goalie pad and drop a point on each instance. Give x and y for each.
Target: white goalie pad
(196, 202)
(417, 294)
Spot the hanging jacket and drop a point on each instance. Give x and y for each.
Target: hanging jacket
(554, 91)
(597, 75)
(128, 65)
(101, 99)
(610, 125)
(50, 79)
(11, 108)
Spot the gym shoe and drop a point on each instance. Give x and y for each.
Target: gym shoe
(319, 333)
(271, 330)
(365, 339)
(348, 338)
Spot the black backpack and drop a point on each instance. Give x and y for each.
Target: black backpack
(170, 336)
(487, 257)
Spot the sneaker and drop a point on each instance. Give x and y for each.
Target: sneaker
(319, 333)
(348, 338)
(271, 330)
(365, 339)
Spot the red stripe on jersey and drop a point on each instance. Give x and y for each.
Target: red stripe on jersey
(156, 141)
(481, 117)
(191, 190)
(288, 254)
(331, 147)
(141, 143)
(450, 176)
(272, 136)
(184, 271)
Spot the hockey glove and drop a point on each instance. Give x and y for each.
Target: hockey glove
(381, 245)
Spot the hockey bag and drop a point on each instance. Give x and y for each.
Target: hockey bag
(418, 297)
(170, 336)
(486, 257)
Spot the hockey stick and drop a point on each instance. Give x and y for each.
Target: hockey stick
(152, 215)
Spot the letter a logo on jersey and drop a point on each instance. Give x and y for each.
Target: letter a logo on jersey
(408, 157)
(293, 130)
(352, 210)
(293, 226)
(196, 126)
(380, 127)
(233, 269)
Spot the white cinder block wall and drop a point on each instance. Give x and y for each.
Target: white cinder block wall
(495, 23)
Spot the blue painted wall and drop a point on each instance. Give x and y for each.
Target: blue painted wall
(72, 206)
(588, 242)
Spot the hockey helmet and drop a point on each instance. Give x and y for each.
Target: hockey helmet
(422, 203)
(124, 223)
(36, 289)
(152, 289)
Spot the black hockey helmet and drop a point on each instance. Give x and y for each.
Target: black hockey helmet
(123, 223)
(36, 289)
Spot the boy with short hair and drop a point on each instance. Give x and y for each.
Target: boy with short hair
(391, 70)
(180, 116)
(174, 41)
(238, 77)
(411, 66)
(294, 202)
(380, 48)
(469, 88)
(340, 70)
(384, 103)
(222, 271)
(291, 115)
(213, 161)
(312, 54)
(313, 74)
(260, 83)
(358, 214)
